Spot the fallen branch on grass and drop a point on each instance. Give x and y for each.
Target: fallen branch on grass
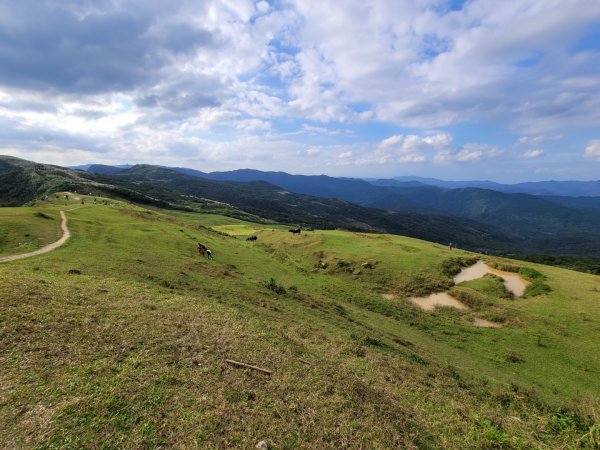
(248, 366)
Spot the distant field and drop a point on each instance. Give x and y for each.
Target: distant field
(120, 338)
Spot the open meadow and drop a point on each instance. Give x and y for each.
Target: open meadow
(118, 339)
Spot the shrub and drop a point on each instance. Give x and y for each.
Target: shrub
(530, 273)
(536, 288)
(505, 267)
(273, 286)
(513, 357)
(43, 215)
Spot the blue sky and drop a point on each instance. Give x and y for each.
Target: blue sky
(476, 89)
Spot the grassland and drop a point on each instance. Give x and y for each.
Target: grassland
(118, 340)
(26, 229)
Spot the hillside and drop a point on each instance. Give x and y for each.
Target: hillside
(475, 219)
(121, 336)
(157, 186)
(558, 225)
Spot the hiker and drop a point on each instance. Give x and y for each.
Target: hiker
(208, 253)
(201, 249)
(450, 245)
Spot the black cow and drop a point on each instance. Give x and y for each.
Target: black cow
(296, 231)
(252, 238)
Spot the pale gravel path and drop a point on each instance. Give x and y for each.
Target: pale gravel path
(46, 248)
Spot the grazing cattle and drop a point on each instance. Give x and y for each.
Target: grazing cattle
(252, 238)
(296, 231)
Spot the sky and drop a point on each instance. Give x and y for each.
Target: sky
(478, 89)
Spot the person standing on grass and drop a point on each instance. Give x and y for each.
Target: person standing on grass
(201, 249)
(208, 253)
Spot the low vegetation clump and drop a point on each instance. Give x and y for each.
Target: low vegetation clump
(530, 274)
(504, 266)
(470, 297)
(535, 288)
(490, 285)
(277, 288)
(42, 215)
(453, 266)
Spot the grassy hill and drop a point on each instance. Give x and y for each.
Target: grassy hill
(259, 201)
(119, 339)
(557, 225)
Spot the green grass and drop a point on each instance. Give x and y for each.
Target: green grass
(129, 353)
(23, 230)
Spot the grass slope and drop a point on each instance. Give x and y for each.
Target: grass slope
(23, 230)
(118, 340)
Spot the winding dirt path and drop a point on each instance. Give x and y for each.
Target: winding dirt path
(46, 248)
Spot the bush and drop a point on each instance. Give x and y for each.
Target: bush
(513, 357)
(536, 288)
(530, 273)
(505, 267)
(43, 215)
(273, 286)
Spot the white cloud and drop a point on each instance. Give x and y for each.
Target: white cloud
(263, 6)
(253, 124)
(592, 150)
(468, 153)
(414, 143)
(538, 139)
(234, 71)
(530, 154)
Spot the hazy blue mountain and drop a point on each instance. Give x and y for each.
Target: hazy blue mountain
(104, 169)
(575, 202)
(349, 189)
(557, 188)
(524, 213)
(186, 171)
(100, 168)
(484, 184)
(563, 188)
(82, 167)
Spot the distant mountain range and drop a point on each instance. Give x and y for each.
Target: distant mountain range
(474, 218)
(558, 188)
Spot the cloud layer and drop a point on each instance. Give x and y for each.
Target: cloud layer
(363, 87)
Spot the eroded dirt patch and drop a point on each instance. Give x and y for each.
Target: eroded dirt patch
(512, 281)
(433, 301)
(485, 323)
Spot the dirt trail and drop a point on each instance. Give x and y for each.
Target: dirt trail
(46, 248)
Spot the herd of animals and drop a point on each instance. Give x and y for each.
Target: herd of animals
(293, 231)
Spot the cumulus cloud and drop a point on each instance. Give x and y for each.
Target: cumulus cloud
(530, 154)
(419, 65)
(538, 139)
(165, 80)
(414, 143)
(468, 153)
(592, 150)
